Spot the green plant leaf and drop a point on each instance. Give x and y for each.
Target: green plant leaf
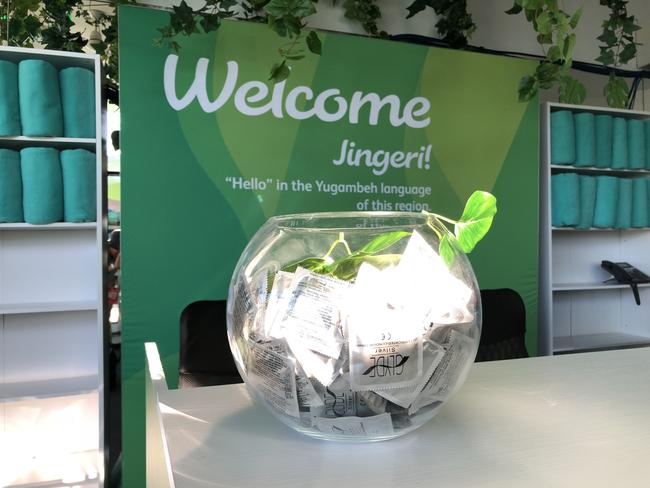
(615, 92)
(279, 72)
(290, 8)
(312, 264)
(627, 53)
(554, 54)
(480, 209)
(528, 88)
(383, 242)
(514, 10)
(575, 18)
(313, 43)
(416, 7)
(572, 91)
(447, 250)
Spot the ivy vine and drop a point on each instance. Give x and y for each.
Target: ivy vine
(555, 34)
(618, 47)
(455, 25)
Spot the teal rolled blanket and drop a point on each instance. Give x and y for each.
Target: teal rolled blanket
(565, 200)
(79, 185)
(9, 109)
(639, 203)
(606, 201)
(40, 101)
(624, 209)
(585, 139)
(603, 128)
(635, 144)
(11, 187)
(619, 143)
(587, 201)
(646, 126)
(42, 185)
(78, 102)
(562, 137)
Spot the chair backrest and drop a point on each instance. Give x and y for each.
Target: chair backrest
(204, 357)
(504, 326)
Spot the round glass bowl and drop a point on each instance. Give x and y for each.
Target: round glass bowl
(353, 326)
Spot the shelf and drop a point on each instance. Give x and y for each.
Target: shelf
(605, 171)
(19, 142)
(46, 307)
(598, 341)
(599, 229)
(54, 226)
(593, 286)
(49, 388)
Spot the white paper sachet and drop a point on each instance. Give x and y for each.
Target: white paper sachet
(444, 380)
(432, 354)
(277, 303)
(308, 399)
(378, 425)
(341, 401)
(426, 288)
(318, 366)
(385, 343)
(313, 315)
(272, 373)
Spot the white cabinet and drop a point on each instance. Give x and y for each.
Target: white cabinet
(579, 310)
(52, 327)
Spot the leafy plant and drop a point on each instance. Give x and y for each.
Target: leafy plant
(618, 48)
(472, 226)
(455, 24)
(366, 13)
(49, 23)
(555, 34)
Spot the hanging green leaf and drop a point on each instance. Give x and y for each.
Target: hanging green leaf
(572, 91)
(313, 43)
(616, 91)
(312, 264)
(447, 250)
(480, 209)
(279, 72)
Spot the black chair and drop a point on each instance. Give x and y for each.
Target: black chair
(205, 358)
(504, 326)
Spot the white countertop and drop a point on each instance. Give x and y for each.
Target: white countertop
(575, 420)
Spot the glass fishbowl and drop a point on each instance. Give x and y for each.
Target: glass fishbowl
(353, 326)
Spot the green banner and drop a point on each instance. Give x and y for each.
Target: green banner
(211, 149)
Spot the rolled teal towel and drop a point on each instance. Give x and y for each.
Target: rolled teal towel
(619, 143)
(11, 187)
(603, 125)
(585, 139)
(42, 185)
(79, 185)
(606, 201)
(624, 209)
(565, 199)
(639, 203)
(40, 102)
(78, 102)
(9, 110)
(635, 144)
(562, 137)
(646, 126)
(587, 201)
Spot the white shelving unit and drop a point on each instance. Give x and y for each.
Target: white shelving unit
(52, 337)
(579, 308)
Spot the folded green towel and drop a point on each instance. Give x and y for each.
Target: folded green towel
(606, 201)
(40, 103)
(639, 203)
(587, 201)
(624, 209)
(565, 199)
(603, 125)
(563, 149)
(635, 144)
(619, 143)
(585, 139)
(9, 109)
(78, 102)
(79, 185)
(646, 126)
(42, 185)
(11, 187)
